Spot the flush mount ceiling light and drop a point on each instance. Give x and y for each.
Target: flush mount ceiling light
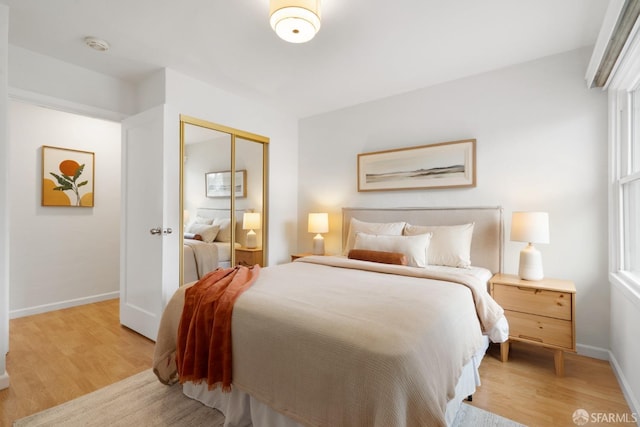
(296, 21)
(96, 43)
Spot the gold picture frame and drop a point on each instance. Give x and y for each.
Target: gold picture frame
(218, 184)
(442, 165)
(68, 177)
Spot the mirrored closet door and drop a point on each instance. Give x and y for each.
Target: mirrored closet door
(223, 197)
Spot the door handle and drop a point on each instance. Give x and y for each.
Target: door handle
(167, 231)
(155, 231)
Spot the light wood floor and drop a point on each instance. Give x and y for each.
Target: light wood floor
(525, 389)
(58, 356)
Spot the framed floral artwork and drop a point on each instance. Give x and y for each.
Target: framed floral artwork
(67, 177)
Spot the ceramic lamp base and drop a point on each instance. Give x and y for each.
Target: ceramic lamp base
(318, 245)
(530, 264)
(252, 241)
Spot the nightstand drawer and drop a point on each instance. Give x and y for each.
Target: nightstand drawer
(544, 330)
(530, 300)
(248, 257)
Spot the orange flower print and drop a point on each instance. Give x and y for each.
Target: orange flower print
(71, 171)
(69, 167)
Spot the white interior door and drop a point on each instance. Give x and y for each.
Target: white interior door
(149, 258)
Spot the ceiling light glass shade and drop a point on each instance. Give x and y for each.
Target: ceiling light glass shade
(296, 21)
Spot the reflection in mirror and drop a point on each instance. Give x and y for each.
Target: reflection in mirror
(249, 157)
(223, 171)
(206, 201)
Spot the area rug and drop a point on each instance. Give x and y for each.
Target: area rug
(142, 401)
(469, 416)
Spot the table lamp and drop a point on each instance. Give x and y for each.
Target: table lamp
(251, 222)
(530, 227)
(185, 217)
(318, 223)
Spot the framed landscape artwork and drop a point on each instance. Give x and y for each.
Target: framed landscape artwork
(67, 177)
(218, 184)
(443, 165)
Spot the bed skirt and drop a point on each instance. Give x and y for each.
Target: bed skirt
(241, 409)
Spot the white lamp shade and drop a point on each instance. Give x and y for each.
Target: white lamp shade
(318, 223)
(531, 227)
(295, 21)
(251, 221)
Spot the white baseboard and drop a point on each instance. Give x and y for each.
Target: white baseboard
(591, 351)
(4, 381)
(632, 399)
(29, 311)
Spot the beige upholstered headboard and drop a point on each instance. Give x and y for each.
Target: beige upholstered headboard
(224, 213)
(487, 242)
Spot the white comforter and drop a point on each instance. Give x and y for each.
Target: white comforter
(362, 344)
(205, 256)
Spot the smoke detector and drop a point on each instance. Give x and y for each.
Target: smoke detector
(96, 43)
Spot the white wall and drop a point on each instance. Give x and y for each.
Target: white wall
(200, 158)
(194, 98)
(4, 195)
(625, 346)
(541, 145)
(61, 256)
(33, 73)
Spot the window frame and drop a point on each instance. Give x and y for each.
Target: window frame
(624, 92)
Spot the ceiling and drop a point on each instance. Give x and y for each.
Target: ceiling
(365, 50)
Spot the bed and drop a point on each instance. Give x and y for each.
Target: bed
(340, 341)
(206, 243)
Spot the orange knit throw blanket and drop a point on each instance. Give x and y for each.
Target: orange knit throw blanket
(204, 334)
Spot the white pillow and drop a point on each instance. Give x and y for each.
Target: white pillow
(224, 235)
(413, 247)
(357, 226)
(450, 244)
(202, 220)
(207, 232)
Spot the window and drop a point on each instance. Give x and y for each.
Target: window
(628, 182)
(615, 66)
(625, 170)
(631, 236)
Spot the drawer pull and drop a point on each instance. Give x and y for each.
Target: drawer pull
(531, 290)
(530, 338)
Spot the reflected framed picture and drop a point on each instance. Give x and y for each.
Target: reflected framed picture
(67, 177)
(442, 165)
(218, 184)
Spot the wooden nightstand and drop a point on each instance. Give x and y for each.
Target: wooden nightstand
(249, 257)
(304, 254)
(300, 255)
(539, 312)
